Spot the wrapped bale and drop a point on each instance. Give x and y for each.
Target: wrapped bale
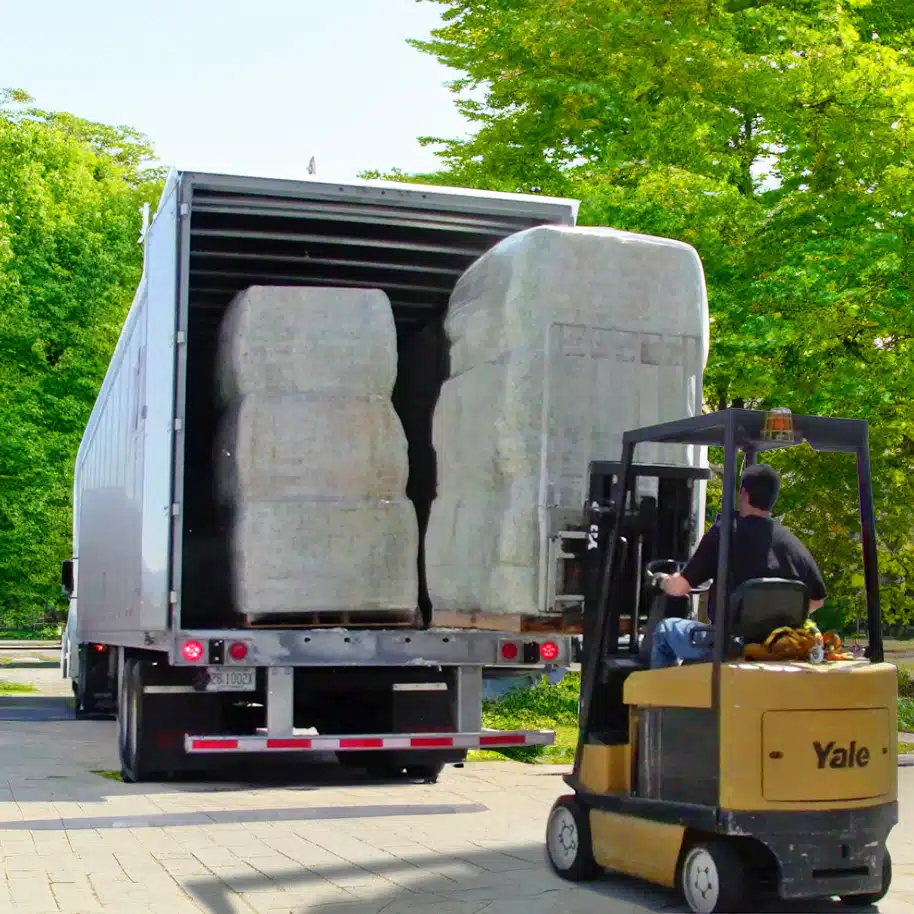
(302, 445)
(310, 556)
(307, 340)
(561, 340)
(312, 457)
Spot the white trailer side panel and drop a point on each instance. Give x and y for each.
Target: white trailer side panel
(123, 477)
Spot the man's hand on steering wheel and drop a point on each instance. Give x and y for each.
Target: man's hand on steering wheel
(672, 583)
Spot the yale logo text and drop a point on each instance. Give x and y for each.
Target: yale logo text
(834, 756)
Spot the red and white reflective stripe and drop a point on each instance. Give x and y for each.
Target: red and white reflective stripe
(492, 739)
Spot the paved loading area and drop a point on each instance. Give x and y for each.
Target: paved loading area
(75, 841)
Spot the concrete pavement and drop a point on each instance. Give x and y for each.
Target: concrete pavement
(76, 841)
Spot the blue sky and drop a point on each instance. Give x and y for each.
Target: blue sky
(252, 87)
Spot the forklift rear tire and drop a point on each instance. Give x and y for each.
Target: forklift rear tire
(568, 841)
(863, 901)
(712, 878)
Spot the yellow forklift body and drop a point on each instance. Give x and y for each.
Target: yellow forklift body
(606, 769)
(635, 846)
(817, 736)
(792, 735)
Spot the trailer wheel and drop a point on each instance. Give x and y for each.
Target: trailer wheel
(390, 765)
(426, 773)
(134, 768)
(864, 901)
(78, 711)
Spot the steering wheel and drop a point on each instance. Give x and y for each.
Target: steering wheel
(660, 600)
(670, 566)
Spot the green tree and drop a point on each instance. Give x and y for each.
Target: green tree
(70, 198)
(774, 136)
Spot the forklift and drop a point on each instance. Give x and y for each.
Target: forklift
(729, 778)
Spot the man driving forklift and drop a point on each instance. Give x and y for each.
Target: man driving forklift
(735, 778)
(761, 548)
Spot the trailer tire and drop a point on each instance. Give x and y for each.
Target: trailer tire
(78, 712)
(134, 769)
(427, 773)
(389, 765)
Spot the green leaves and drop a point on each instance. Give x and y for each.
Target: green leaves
(70, 194)
(776, 138)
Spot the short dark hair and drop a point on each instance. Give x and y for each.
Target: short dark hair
(763, 484)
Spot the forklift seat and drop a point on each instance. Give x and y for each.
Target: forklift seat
(760, 605)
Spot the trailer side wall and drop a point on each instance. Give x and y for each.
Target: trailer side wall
(122, 485)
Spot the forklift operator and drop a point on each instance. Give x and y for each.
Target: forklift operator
(760, 547)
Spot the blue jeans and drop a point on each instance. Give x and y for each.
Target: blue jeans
(672, 643)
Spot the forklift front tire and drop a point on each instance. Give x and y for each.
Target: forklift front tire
(568, 842)
(864, 901)
(712, 878)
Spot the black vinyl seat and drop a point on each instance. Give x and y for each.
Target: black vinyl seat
(760, 605)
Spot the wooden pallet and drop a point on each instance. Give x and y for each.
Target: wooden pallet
(507, 622)
(344, 619)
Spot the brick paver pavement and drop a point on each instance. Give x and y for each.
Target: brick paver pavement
(73, 841)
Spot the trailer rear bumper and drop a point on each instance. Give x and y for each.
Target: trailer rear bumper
(492, 739)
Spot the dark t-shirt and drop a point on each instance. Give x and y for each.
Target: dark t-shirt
(759, 548)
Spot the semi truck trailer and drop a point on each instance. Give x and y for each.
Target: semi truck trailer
(153, 635)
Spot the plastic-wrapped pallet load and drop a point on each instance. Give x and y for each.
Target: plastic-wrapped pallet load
(312, 456)
(561, 340)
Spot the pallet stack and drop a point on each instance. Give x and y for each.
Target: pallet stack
(312, 458)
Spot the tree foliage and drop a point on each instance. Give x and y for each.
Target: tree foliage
(70, 198)
(774, 136)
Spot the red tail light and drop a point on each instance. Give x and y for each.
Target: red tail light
(192, 651)
(99, 648)
(549, 650)
(238, 651)
(509, 651)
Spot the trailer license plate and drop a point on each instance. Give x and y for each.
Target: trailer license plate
(239, 679)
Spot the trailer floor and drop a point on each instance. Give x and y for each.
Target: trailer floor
(76, 841)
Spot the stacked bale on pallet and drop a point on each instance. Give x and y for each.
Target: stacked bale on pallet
(312, 457)
(561, 339)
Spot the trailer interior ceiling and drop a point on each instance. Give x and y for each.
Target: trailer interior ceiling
(412, 243)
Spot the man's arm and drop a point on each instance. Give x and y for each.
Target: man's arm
(813, 579)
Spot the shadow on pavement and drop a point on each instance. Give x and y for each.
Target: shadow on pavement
(504, 881)
(27, 665)
(73, 778)
(27, 708)
(240, 816)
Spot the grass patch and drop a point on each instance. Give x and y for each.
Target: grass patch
(16, 688)
(48, 633)
(906, 714)
(905, 748)
(544, 707)
(110, 775)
